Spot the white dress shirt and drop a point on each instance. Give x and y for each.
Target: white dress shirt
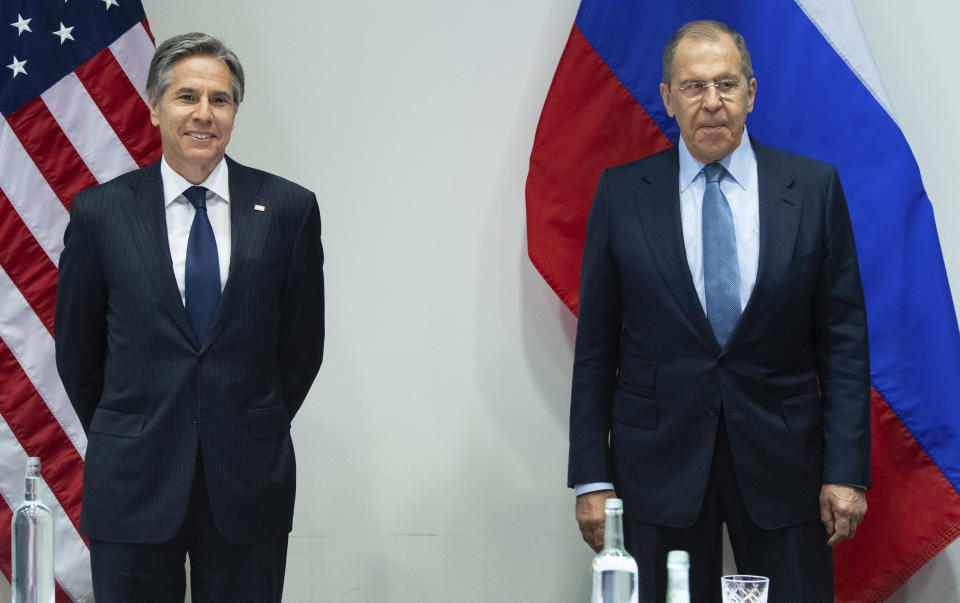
(179, 213)
(740, 187)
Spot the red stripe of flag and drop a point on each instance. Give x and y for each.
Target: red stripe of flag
(51, 150)
(566, 160)
(6, 516)
(121, 105)
(906, 484)
(40, 434)
(26, 263)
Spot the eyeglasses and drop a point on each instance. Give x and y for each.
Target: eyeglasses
(695, 90)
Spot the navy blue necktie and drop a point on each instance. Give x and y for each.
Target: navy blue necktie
(202, 273)
(721, 270)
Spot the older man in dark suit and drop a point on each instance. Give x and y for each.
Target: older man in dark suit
(721, 370)
(189, 328)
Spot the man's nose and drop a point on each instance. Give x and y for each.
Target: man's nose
(711, 98)
(203, 110)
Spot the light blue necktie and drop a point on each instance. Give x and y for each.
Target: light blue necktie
(202, 272)
(721, 271)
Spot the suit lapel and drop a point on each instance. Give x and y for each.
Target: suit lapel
(146, 221)
(779, 221)
(658, 206)
(250, 216)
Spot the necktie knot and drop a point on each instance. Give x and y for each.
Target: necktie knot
(713, 172)
(197, 196)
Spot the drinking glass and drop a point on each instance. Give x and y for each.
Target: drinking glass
(744, 589)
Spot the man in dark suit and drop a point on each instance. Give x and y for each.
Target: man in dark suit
(721, 371)
(189, 329)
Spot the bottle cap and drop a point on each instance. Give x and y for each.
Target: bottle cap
(678, 558)
(613, 504)
(33, 462)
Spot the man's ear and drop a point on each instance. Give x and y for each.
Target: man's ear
(667, 99)
(154, 110)
(751, 94)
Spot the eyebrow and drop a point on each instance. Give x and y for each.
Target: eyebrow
(719, 78)
(195, 92)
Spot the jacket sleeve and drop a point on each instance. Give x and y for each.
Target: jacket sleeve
(842, 354)
(80, 319)
(300, 345)
(596, 354)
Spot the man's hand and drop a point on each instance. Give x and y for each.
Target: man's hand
(591, 516)
(841, 510)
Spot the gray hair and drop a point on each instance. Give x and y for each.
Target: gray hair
(185, 46)
(705, 30)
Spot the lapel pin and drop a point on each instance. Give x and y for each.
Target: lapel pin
(259, 207)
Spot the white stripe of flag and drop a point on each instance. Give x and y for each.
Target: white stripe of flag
(129, 51)
(839, 24)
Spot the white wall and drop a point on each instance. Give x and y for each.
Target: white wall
(432, 448)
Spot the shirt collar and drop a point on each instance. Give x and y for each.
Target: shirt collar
(174, 184)
(738, 163)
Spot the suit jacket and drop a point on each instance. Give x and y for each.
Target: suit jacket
(650, 380)
(150, 397)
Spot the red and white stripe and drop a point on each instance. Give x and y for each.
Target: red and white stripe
(89, 127)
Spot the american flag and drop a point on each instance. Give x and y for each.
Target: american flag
(74, 113)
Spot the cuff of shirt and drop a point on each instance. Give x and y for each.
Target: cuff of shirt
(591, 487)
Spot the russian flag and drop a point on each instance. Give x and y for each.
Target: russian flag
(818, 95)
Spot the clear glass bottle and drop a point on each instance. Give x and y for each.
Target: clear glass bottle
(678, 577)
(614, 570)
(32, 540)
